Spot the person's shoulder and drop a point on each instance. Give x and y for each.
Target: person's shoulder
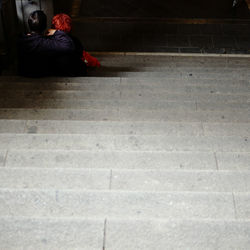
(28, 38)
(60, 33)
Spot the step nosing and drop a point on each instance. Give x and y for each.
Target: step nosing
(119, 191)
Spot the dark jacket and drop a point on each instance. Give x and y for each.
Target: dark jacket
(49, 55)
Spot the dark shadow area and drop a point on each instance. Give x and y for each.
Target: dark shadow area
(157, 9)
(161, 26)
(158, 36)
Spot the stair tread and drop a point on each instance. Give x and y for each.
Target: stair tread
(133, 204)
(125, 179)
(88, 233)
(153, 145)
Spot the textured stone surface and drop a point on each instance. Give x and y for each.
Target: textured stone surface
(233, 161)
(126, 143)
(2, 157)
(128, 163)
(177, 235)
(193, 181)
(84, 127)
(126, 160)
(54, 178)
(116, 204)
(45, 233)
(227, 129)
(242, 205)
(8, 126)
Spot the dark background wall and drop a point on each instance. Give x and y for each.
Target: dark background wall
(152, 8)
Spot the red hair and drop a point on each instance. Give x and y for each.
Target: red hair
(62, 22)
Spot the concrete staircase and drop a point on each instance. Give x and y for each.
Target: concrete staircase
(151, 153)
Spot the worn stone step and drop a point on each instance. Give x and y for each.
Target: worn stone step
(55, 178)
(174, 180)
(126, 142)
(179, 59)
(65, 94)
(84, 83)
(125, 160)
(198, 116)
(19, 80)
(126, 115)
(100, 104)
(163, 74)
(184, 62)
(232, 106)
(221, 129)
(3, 154)
(105, 127)
(114, 81)
(171, 60)
(85, 234)
(176, 66)
(116, 159)
(177, 234)
(187, 82)
(128, 95)
(121, 204)
(123, 128)
(47, 233)
(149, 104)
(13, 126)
(129, 89)
(195, 71)
(127, 180)
(191, 89)
(164, 94)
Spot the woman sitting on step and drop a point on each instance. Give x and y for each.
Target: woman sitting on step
(63, 22)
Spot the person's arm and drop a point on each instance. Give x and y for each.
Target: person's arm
(57, 43)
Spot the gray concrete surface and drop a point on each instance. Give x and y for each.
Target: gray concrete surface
(177, 234)
(111, 159)
(128, 163)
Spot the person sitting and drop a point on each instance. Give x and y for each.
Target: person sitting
(63, 22)
(40, 55)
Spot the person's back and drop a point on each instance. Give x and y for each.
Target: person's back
(40, 55)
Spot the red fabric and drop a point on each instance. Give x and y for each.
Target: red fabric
(90, 60)
(62, 22)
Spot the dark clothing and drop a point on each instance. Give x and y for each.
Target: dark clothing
(78, 45)
(49, 56)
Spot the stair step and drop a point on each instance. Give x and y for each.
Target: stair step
(123, 204)
(124, 105)
(126, 180)
(126, 115)
(141, 88)
(163, 74)
(83, 82)
(54, 178)
(85, 234)
(151, 155)
(177, 234)
(116, 159)
(105, 127)
(150, 104)
(46, 233)
(103, 104)
(124, 128)
(126, 142)
(125, 95)
(203, 72)
(126, 160)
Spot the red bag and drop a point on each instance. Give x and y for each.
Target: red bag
(90, 60)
